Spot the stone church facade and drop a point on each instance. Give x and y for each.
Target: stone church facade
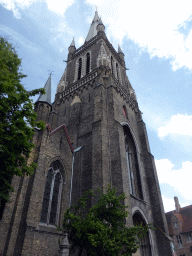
(95, 129)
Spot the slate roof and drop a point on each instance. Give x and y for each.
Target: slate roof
(184, 216)
(47, 96)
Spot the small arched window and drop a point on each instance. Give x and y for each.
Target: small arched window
(87, 63)
(52, 195)
(80, 68)
(117, 70)
(111, 65)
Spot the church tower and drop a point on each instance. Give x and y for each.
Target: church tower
(94, 128)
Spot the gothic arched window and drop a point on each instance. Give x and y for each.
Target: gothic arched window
(130, 169)
(111, 65)
(117, 70)
(87, 63)
(52, 195)
(80, 68)
(132, 165)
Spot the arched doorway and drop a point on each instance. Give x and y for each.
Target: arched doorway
(145, 246)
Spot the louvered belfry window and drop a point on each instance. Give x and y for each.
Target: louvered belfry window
(111, 65)
(52, 195)
(79, 69)
(87, 63)
(117, 70)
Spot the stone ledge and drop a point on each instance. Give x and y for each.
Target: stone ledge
(47, 228)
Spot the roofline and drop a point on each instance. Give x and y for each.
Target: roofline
(174, 211)
(58, 128)
(43, 102)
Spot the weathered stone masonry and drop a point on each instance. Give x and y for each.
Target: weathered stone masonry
(95, 107)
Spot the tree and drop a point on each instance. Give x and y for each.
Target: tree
(17, 120)
(101, 229)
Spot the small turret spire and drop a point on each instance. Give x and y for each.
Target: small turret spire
(121, 55)
(119, 49)
(47, 96)
(100, 26)
(72, 43)
(71, 49)
(100, 21)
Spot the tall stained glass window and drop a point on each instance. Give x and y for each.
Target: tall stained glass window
(52, 194)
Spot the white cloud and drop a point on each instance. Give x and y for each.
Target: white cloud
(20, 39)
(153, 25)
(178, 124)
(15, 5)
(81, 41)
(58, 6)
(168, 203)
(179, 179)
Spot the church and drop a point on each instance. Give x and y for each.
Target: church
(94, 136)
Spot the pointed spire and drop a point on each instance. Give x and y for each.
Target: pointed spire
(63, 82)
(119, 49)
(100, 21)
(121, 55)
(93, 29)
(96, 17)
(71, 49)
(72, 43)
(47, 96)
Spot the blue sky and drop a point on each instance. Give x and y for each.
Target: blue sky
(156, 38)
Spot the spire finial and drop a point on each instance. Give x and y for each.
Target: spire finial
(96, 8)
(50, 72)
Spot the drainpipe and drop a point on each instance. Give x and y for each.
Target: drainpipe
(74, 151)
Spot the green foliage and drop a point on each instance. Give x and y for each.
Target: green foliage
(17, 119)
(101, 230)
